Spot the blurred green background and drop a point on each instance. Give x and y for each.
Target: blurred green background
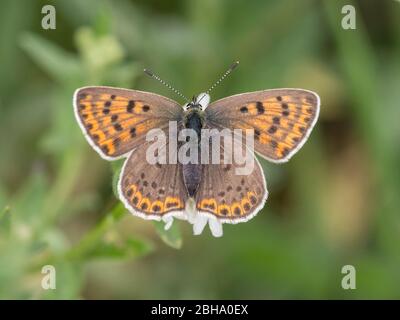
(335, 203)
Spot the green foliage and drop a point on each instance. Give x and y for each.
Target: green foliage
(172, 236)
(33, 234)
(334, 203)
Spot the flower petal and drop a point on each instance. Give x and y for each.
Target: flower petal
(215, 227)
(199, 223)
(168, 222)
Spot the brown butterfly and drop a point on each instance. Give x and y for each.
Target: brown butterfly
(115, 123)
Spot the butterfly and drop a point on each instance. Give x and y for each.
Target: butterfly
(115, 122)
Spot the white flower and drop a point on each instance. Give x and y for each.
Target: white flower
(197, 219)
(198, 224)
(201, 221)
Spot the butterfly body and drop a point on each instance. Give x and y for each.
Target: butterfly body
(193, 119)
(116, 123)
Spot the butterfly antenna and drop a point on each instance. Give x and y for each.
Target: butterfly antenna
(151, 74)
(227, 72)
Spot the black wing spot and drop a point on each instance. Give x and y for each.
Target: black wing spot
(224, 211)
(285, 152)
(131, 105)
(260, 107)
(272, 129)
(144, 206)
(105, 149)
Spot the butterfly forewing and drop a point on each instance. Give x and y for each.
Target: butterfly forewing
(115, 121)
(282, 119)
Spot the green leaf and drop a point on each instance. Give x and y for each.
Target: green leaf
(28, 202)
(94, 236)
(172, 236)
(123, 75)
(5, 220)
(98, 51)
(54, 60)
(130, 248)
(102, 22)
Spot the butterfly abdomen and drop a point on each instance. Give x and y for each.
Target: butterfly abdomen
(192, 177)
(192, 171)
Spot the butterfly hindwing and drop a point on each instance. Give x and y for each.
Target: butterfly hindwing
(115, 121)
(151, 190)
(282, 119)
(229, 195)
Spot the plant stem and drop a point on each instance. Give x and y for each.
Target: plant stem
(91, 238)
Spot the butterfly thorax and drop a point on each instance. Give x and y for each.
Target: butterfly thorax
(193, 119)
